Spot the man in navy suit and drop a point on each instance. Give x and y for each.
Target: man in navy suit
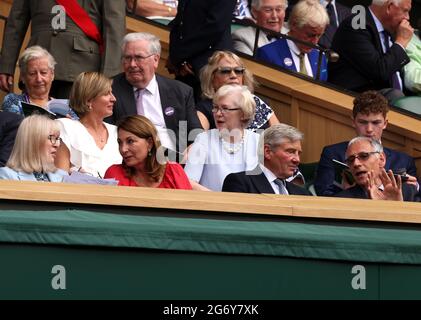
(369, 118)
(281, 157)
(307, 23)
(200, 28)
(337, 13)
(366, 161)
(168, 103)
(372, 55)
(9, 124)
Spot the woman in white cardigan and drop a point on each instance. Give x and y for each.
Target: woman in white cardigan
(230, 147)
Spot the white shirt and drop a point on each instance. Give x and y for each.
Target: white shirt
(271, 178)
(295, 52)
(152, 107)
(209, 163)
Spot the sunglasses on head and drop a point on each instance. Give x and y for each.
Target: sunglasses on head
(227, 70)
(362, 156)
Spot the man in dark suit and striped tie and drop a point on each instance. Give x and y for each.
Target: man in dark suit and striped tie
(281, 156)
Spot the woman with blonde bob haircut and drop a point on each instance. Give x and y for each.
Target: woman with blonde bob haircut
(89, 145)
(144, 164)
(225, 67)
(33, 154)
(230, 147)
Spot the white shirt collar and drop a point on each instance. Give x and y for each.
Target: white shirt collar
(152, 86)
(377, 22)
(293, 47)
(268, 174)
(324, 3)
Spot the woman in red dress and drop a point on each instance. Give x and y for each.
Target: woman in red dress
(144, 163)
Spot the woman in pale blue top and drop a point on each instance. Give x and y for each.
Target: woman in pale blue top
(230, 147)
(35, 149)
(36, 74)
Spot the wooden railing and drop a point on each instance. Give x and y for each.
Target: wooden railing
(181, 202)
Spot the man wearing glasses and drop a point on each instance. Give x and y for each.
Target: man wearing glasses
(269, 14)
(369, 119)
(168, 103)
(366, 161)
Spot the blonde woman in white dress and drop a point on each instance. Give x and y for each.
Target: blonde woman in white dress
(89, 144)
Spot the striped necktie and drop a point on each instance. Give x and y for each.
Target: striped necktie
(281, 186)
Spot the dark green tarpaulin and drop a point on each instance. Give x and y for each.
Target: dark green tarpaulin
(365, 243)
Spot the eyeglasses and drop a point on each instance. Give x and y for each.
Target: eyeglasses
(363, 156)
(215, 109)
(239, 71)
(54, 139)
(269, 10)
(136, 58)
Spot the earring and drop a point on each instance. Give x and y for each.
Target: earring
(149, 153)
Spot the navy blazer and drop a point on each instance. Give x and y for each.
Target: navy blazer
(279, 53)
(199, 29)
(9, 124)
(247, 182)
(409, 193)
(326, 171)
(362, 65)
(343, 12)
(175, 96)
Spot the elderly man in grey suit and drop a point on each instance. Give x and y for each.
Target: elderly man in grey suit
(168, 103)
(269, 14)
(81, 35)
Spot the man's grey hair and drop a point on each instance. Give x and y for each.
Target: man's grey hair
(32, 53)
(377, 146)
(279, 133)
(256, 4)
(308, 13)
(154, 44)
(383, 2)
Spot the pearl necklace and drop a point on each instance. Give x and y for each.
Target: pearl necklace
(232, 148)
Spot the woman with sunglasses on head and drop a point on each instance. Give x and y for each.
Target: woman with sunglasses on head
(144, 164)
(35, 149)
(225, 67)
(230, 147)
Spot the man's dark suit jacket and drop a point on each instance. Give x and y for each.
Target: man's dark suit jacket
(343, 13)
(199, 29)
(249, 183)
(362, 65)
(326, 171)
(175, 96)
(409, 193)
(9, 123)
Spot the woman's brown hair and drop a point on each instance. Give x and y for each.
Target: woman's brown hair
(143, 128)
